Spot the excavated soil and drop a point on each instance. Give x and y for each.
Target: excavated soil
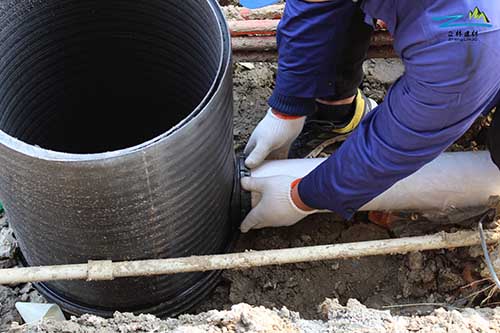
(353, 318)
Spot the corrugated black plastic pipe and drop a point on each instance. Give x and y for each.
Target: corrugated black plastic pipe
(116, 142)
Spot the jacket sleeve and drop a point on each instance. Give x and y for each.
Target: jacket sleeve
(309, 36)
(409, 129)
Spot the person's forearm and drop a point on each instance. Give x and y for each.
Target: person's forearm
(386, 148)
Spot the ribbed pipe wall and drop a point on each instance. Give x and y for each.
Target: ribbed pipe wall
(116, 142)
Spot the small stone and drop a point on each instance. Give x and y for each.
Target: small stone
(387, 72)
(450, 281)
(247, 65)
(416, 261)
(7, 263)
(284, 312)
(26, 289)
(291, 283)
(475, 251)
(35, 297)
(306, 238)
(269, 286)
(8, 243)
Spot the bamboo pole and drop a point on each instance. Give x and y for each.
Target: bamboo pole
(107, 270)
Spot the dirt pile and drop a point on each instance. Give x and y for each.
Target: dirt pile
(352, 318)
(10, 295)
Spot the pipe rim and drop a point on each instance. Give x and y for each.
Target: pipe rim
(171, 308)
(225, 61)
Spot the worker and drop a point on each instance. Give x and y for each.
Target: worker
(451, 53)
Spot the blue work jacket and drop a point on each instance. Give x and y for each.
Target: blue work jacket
(451, 53)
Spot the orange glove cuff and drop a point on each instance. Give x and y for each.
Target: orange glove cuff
(285, 116)
(295, 183)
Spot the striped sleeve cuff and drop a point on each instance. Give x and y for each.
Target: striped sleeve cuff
(293, 106)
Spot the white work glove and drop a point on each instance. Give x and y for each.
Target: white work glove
(275, 208)
(272, 138)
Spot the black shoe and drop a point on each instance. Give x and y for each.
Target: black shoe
(321, 136)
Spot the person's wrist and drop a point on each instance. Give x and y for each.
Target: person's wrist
(284, 116)
(296, 200)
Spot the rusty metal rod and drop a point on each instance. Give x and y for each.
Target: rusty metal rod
(107, 270)
(255, 40)
(264, 49)
(253, 27)
(268, 43)
(272, 56)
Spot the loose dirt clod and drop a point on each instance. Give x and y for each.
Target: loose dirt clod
(8, 243)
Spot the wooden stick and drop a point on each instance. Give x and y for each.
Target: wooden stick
(107, 270)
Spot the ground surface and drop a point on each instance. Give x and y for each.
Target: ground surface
(353, 318)
(430, 280)
(433, 277)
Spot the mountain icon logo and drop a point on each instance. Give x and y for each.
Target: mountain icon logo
(477, 14)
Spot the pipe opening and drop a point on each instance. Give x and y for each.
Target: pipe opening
(90, 76)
